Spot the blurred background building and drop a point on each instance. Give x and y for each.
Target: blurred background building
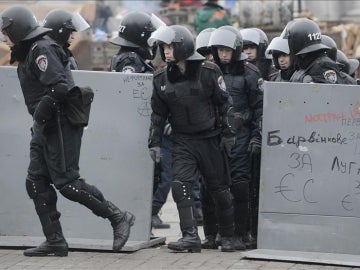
(339, 19)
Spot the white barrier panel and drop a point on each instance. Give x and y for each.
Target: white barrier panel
(310, 171)
(114, 157)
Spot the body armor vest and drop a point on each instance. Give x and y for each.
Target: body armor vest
(191, 107)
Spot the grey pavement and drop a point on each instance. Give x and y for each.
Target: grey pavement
(151, 258)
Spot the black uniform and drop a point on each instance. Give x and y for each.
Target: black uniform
(45, 76)
(241, 79)
(131, 60)
(194, 103)
(317, 67)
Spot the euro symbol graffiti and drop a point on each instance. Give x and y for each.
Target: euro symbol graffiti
(284, 189)
(345, 203)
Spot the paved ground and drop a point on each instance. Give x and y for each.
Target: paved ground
(152, 258)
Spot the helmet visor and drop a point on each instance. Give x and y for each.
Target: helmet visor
(163, 34)
(250, 35)
(156, 21)
(223, 37)
(79, 22)
(278, 44)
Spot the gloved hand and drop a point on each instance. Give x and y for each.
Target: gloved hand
(238, 121)
(155, 153)
(45, 110)
(227, 143)
(254, 147)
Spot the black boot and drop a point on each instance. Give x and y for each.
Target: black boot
(250, 241)
(157, 223)
(55, 245)
(190, 241)
(238, 243)
(121, 223)
(227, 244)
(209, 242)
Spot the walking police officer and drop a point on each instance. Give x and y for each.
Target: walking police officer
(45, 79)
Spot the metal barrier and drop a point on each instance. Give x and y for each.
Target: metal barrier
(114, 157)
(310, 174)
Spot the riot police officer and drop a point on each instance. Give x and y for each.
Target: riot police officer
(312, 62)
(45, 79)
(134, 54)
(202, 43)
(63, 24)
(191, 94)
(347, 67)
(242, 80)
(255, 42)
(279, 49)
(134, 57)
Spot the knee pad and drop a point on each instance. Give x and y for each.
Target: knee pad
(43, 195)
(240, 191)
(182, 193)
(87, 195)
(34, 187)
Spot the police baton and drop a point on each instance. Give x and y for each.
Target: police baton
(61, 141)
(227, 167)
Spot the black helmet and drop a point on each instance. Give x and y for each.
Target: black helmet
(347, 65)
(277, 46)
(20, 24)
(202, 41)
(328, 41)
(304, 36)
(342, 61)
(135, 29)
(227, 36)
(256, 37)
(263, 44)
(63, 23)
(180, 37)
(250, 37)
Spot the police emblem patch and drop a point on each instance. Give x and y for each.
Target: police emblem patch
(221, 83)
(42, 62)
(128, 69)
(330, 76)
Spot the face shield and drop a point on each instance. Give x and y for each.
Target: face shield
(278, 44)
(79, 22)
(156, 21)
(163, 34)
(250, 35)
(223, 37)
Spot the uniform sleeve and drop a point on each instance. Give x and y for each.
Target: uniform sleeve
(158, 118)
(49, 64)
(130, 64)
(220, 95)
(222, 101)
(254, 85)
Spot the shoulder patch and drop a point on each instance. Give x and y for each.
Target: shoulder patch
(330, 76)
(42, 62)
(128, 69)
